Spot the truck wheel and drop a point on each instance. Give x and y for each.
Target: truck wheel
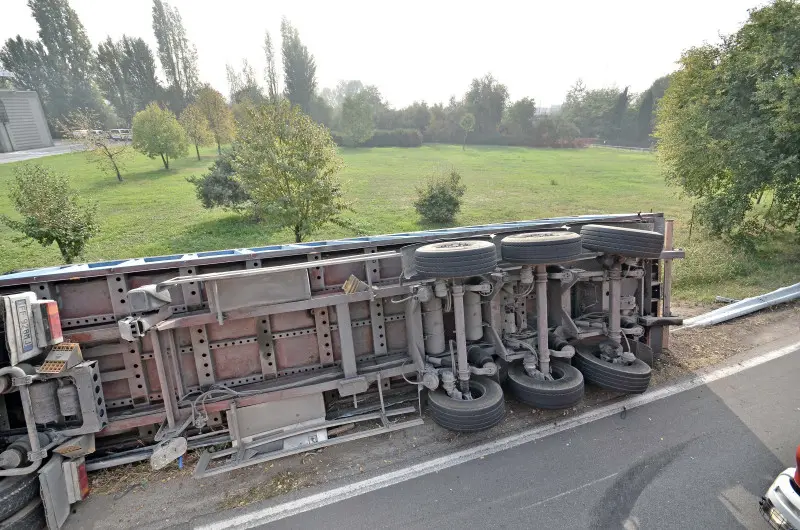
(16, 492)
(30, 517)
(630, 379)
(486, 408)
(539, 248)
(629, 242)
(564, 391)
(456, 259)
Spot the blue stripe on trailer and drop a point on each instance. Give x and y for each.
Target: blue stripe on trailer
(269, 251)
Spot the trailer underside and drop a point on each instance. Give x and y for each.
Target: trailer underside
(272, 350)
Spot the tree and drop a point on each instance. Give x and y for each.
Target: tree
(565, 131)
(445, 123)
(112, 79)
(140, 65)
(126, 76)
(288, 165)
(196, 126)
(646, 114)
(593, 111)
(177, 55)
(468, 124)
(52, 212)
(418, 116)
(612, 130)
(107, 154)
(156, 132)
(243, 86)
(644, 118)
(321, 112)
(271, 72)
(220, 118)
(335, 97)
(299, 68)
(59, 66)
(727, 126)
(520, 117)
(357, 114)
(27, 61)
(486, 100)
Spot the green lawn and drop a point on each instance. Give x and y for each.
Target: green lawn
(156, 212)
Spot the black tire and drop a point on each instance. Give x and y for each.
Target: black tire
(563, 392)
(456, 259)
(629, 379)
(483, 412)
(30, 517)
(16, 492)
(628, 242)
(539, 248)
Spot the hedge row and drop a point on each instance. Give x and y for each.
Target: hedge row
(382, 138)
(521, 141)
(413, 138)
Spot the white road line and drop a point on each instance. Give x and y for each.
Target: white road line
(318, 500)
(568, 492)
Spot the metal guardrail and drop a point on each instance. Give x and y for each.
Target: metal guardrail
(744, 307)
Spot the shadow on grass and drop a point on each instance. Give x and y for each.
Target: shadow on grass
(232, 231)
(156, 172)
(132, 178)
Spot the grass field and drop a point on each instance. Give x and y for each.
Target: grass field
(156, 212)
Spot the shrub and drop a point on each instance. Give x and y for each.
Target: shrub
(52, 212)
(219, 188)
(439, 200)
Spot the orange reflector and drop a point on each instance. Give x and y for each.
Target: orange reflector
(54, 320)
(83, 480)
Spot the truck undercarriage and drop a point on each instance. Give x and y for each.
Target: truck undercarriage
(266, 352)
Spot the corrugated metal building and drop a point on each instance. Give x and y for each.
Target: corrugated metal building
(22, 121)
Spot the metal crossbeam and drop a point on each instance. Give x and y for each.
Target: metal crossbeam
(278, 268)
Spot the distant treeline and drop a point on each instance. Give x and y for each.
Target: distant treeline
(119, 78)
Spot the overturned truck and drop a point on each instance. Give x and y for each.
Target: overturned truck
(272, 350)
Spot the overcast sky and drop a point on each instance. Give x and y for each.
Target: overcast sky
(415, 50)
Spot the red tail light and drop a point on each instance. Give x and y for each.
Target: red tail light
(797, 468)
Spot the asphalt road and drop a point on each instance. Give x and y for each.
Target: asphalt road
(30, 154)
(698, 459)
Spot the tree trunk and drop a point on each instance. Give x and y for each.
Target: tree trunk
(65, 254)
(219, 149)
(298, 236)
(165, 161)
(197, 149)
(464, 146)
(116, 168)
